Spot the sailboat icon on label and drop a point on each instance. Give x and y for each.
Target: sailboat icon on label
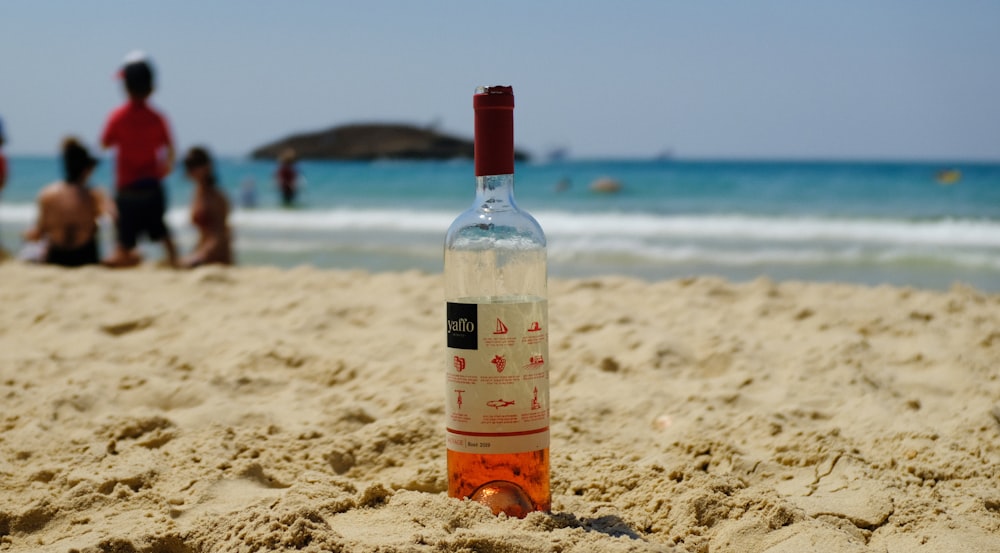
(501, 328)
(534, 327)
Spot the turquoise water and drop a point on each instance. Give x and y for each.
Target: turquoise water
(866, 223)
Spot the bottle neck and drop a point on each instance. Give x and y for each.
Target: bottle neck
(495, 192)
(494, 148)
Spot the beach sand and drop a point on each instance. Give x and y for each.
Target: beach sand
(258, 409)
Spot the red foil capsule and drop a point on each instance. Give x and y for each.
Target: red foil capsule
(494, 128)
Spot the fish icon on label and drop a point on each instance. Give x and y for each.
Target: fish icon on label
(498, 403)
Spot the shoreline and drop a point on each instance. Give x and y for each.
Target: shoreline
(302, 408)
(421, 259)
(842, 222)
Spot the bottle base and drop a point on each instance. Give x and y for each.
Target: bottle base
(502, 481)
(504, 497)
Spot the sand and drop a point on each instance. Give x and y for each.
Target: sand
(258, 409)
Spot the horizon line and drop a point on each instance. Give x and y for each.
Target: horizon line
(740, 158)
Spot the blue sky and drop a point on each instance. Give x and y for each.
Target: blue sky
(768, 79)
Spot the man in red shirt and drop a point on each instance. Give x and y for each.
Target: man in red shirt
(145, 156)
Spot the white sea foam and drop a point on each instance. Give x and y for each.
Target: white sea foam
(733, 240)
(945, 232)
(632, 253)
(954, 232)
(21, 214)
(343, 219)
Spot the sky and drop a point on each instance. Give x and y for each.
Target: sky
(772, 79)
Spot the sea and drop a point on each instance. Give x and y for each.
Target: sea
(919, 224)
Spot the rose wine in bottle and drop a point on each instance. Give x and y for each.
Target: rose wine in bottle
(497, 384)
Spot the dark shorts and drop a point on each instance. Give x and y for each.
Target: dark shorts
(287, 195)
(141, 207)
(74, 257)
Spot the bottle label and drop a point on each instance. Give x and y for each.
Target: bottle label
(497, 377)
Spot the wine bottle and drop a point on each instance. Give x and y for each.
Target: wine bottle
(497, 384)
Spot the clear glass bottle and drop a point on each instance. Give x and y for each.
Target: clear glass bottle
(495, 276)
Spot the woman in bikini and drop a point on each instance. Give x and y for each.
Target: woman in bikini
(209, 212)
(68, 211)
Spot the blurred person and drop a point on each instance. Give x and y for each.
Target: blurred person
(145, 156)
(3, 160)
(209, 212)
(68, 212)
(287, 177)
(248, 193)
(3, 177)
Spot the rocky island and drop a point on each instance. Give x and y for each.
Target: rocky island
(371, 141)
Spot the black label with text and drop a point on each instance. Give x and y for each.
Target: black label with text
(462, 331)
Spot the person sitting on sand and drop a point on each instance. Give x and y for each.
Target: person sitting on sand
(209, 212)
(68, 211)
